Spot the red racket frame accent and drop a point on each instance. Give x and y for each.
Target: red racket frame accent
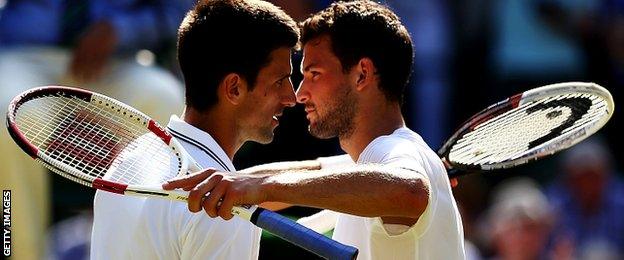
(159, 131)
(109, 186)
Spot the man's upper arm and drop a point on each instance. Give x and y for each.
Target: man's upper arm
(415, 173)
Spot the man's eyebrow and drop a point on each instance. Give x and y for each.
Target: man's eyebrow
(285, 76)
(307, 67)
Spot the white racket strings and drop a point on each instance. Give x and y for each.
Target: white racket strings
(97, 142)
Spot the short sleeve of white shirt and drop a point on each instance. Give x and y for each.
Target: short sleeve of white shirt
(438, 233)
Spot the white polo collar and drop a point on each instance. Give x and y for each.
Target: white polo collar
(186, 133)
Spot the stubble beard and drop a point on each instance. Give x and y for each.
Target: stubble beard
(338, 120)
(257, 131)
(265, 135)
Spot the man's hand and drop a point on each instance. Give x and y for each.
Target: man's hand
(92, 53)
(217, 192)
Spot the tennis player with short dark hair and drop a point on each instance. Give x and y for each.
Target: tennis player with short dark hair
(236, 61)
(396, 203)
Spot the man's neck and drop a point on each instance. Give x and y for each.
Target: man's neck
(216, 123)
(370, 123)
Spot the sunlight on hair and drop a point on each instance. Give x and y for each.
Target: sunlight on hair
(144, 57)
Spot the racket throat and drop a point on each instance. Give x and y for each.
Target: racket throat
(109, 186)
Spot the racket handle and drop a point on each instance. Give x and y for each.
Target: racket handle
(302, 236)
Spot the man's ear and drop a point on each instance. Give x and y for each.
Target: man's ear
(234, 88)
(364, 73)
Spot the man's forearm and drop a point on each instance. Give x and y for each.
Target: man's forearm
(370, 191)
(332, 162)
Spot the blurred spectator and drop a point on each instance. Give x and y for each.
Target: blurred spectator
(589, 202)
(519, 221)
(98, 45)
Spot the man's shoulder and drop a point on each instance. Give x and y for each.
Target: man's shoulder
(403, 143)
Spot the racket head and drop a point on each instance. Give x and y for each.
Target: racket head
(528, 126)
(93, 139)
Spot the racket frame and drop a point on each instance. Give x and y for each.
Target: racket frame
(550, 147)
(110, 105)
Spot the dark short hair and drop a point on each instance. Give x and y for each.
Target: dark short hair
(365, 29)
(228, 36)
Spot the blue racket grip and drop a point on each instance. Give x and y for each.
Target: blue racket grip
(302, 236)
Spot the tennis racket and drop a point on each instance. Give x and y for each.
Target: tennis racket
(105, 144)
(527, 126)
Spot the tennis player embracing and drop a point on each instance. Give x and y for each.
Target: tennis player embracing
(396, 201)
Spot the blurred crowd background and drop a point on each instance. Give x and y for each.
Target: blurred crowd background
(468, 54)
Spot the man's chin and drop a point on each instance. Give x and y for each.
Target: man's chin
(320, 134)
(264, 137)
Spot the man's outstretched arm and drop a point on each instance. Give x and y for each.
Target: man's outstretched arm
(397, 195)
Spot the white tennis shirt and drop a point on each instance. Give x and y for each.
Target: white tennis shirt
(126, 227)
(438, 233)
